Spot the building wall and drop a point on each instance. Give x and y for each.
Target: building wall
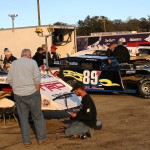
(21, 38)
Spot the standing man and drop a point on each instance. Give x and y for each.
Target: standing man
(110, 49)
(54, 53)
(39, 57)
(85, 119)
(109, 52)
(50, 60)
(24, 77)
(122, 53)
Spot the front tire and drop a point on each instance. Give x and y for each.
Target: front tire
(144, 88)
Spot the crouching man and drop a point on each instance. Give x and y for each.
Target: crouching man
(85, 119)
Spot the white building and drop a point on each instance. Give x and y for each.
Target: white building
(19, 38)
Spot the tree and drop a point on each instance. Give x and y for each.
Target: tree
(144, 24)
(132, 24)
(89, 25)
(60, 23)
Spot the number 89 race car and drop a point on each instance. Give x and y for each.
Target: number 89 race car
(103, 74)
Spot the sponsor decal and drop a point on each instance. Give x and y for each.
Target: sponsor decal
(52, 86)
(46, 76)
(3, 79)
(73, 63)
(135, 39)
(109, 40)
(130, 72)
(106, 82)
(61, 94)
(46, 103)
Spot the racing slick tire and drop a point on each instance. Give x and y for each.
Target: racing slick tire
(144, 88)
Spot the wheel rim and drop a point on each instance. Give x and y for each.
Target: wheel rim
(146, 87)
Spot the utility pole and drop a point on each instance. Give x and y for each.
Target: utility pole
(38, 6)
(39, 32)
(13, 18)
(104, 21)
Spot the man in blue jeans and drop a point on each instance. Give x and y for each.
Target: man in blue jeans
(24, 77)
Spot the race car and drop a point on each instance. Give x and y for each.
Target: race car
(103, 74)
(101, 52)
(55, 93)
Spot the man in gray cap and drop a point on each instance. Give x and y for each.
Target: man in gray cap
(24, 77)
(9, 58)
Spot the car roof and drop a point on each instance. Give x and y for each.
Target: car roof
(90, 57)
(87, 52)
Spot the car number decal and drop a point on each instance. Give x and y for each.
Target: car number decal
(89, 77)
(92, 77)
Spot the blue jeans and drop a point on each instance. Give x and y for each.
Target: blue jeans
(26, 104)
(77, 128)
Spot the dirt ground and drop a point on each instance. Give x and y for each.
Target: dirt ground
(126, 126)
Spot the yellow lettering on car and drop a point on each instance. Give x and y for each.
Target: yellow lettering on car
(106, 82)
(75, 75)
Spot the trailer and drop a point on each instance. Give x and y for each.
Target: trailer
(135, 42)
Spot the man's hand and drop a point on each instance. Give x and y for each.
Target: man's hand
(8, 65)
(37, 87)
(109, 61)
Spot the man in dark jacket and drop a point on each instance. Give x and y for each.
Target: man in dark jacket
(39, 57)
(122, 53)
(85, 119)
(110, 49)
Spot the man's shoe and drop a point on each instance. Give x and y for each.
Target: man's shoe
(43, 142)
(27, 144)
(89, 133)
(82, 136)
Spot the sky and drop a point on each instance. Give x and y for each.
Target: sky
(69, 11)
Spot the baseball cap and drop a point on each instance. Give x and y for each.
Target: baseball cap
(5, 49)
(77, 85)
(7, 52)
(53, 47)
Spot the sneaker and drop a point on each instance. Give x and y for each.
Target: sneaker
(27, 144)
(43, 142)
(89, 133)
(82, 136)
(73, 136)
